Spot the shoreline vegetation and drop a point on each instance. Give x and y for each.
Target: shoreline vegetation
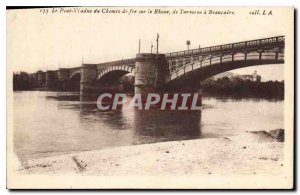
(250, 153)
(225, 87)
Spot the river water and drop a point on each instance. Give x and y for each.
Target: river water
(53, 123)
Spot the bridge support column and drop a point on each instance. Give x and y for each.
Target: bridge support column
(63, 78)
(51, 80)
(41, 79)
(88, 79)
(150, 73)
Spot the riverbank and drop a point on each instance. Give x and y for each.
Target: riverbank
(248, 153)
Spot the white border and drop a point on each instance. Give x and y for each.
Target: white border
(3, 5)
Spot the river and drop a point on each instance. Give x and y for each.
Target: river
(53, 123)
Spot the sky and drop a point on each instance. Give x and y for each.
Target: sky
(37, 41)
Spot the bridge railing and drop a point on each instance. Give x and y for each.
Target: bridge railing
(128, 62)
(258, 43)
(182, 67)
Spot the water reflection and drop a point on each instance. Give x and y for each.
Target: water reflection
(60, 123)
(147, 126)
(64, 97)
(157, 125)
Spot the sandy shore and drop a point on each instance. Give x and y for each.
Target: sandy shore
(244, 154)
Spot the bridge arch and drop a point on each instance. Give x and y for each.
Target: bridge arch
(74, 81)
(201, 68)
(114, 73)
(74, 73)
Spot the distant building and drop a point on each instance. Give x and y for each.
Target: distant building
(252, 77)
(225, 74)
(256, 77)
(232, 76)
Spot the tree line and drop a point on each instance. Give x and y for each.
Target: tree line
(243, 88)
(21, 81)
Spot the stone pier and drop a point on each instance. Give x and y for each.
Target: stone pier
(149, 73)
(150, 78)
(63, 79)
(88, 79)
(51, 80)
(41, 79)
